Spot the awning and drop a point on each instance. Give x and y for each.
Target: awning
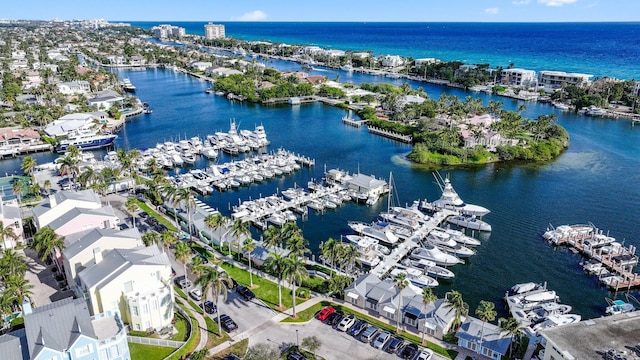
(429, 325)
(410, 316)
(389, 309)
(353, 295)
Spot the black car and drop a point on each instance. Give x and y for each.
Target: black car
(246, 294)
(231, 357)
(230, 284)
(296, 355)
(227, 323)
(209, 307)
(357, 328)
(143, 214)
(393, 345)
(334, 319)
(409, 351)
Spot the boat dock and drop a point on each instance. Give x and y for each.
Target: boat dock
(404, 248)
(391, 135)
(616, 263)
(348, 120)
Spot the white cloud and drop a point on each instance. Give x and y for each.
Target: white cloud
(491, 11)
(556, 2)
(521, 2)
(255, 15)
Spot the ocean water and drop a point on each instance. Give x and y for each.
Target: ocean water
(601, 49)
(594, 180)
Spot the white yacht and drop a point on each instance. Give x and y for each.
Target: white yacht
(429, 268)
(383, 235)
(416, 277)
(366, 247)
(469, 221)
(554, 320)
(432, 253)
(461, 238)
(451, 200)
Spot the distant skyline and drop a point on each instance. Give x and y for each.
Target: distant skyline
(328, 10)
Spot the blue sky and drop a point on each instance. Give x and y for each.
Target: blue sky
(327, 10)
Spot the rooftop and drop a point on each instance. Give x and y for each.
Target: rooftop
(591, 338)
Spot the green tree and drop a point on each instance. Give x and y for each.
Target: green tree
(311, 343)
(486, 311)
(20, 287)
(295, 271)
(338, 283)
(239, 228)
(28, 164)
(456, 304)
(401, 283)
(45, 241)
(249, 245)
(150, 238)
(213, 280)
(7, 232)
(276, 263)
(512, 328)
(132, 206)
(328, 250)
(427, 298)
(167, 238)
(183, 254)
(12, 263)
(272, 237)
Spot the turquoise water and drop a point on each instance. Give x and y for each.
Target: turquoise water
(594, 180)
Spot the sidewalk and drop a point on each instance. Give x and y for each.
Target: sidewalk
(202, 324)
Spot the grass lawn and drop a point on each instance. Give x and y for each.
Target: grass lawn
(193, 340)
(265, 289)
(149, 352)
(181, 326)
(308, 314)
(156, 215)
(212, 328)
(239, 349)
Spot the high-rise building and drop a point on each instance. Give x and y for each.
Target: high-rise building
(213, 31)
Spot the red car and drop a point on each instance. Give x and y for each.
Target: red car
(324, 313)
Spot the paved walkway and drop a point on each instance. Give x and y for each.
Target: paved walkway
(202, 324)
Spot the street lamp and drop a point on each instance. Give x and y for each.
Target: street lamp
(297, 340)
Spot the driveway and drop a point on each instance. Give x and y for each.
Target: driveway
(45, 287)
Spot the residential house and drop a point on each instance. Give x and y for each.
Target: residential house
(368, 184)
(410, 99)
(137, 60)
(221, 71)
(75, 122)
(434, 319)
(556, 79)
(74, 87)
(10, 218)
(315, 79)
(79, 247)
(14, 141)
(65, 330)
(105, 99)
(137, 283)
(79, 219)
(517, 77)
(116, 60)
(483, 338)
(426, 61)
(62, 202)
(391, 60)
(200, 65)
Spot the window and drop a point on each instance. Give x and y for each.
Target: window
(134, 311)
(137, 326)
(145, 309)
(84, 350)
(128, 286)
(154, 304)
(114, 352)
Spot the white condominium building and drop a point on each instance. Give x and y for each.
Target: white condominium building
(517, 77)
(213, 31)
(555, 79)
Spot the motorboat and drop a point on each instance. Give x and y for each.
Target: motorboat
(366, 247)
(432, 253)
(555, 320)
(461, 238)
(127, 85)
(458, 250)
(277, 219)
(416, 277)
(566, 232)
(530, 300)
(209, 153)
(469, 221)
(438, 237)
(430, 268)
(451, 200)
(618, 307)
(523, 288)
(383, 235)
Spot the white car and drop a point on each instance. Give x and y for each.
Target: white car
(425, 354)
(381, 340)
(346, 323)
(196, 294)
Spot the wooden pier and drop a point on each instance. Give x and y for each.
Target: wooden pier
(391, 135)
(351, 122)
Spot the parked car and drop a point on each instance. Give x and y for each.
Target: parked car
(231, 357)
(123, 226)
(409, 351)
(183, 282)
(196, 293)
(346, 323)
(227, 323)
(230, 284)
(324, 313)
(296, 355)
(246, 294)
(335, 318)
(425, 354)
(393, 345)
(381, 340)
(143, 214)
(368, 334)
(357, 328)
(209, 307)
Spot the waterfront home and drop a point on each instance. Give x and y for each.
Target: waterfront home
(10, 218)
(552, 80)
(200, 65)
(391, 60)
(79, 219)
(382, 298)
(590, 339)
(74, 87)
(14, 141)
(65, 330)
(78, 253)
(428, 61)
(517, 77)
(116, 60)
(61, 202)
(137, 283)
(315, 79)
(410, 99)
(71, 123)
(367, 184)
(105, 99)
(221, 71)
(485, 339)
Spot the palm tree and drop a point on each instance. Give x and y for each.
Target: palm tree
(69, 165)
(47, 186)
(132, 205)
(456, 304)
(347, 255)
(185, 194)
(167, 238)
(17, 188)
(215, 222)
(297, 245)
(238, 229)
(328, 250)
(45, 241)
(150, 238)
(276, 265)
(73, 152)
(213, 279)
(486, 311)
(427, 298)
(169, 191)
(7, 232)
(28, 164)
(19, 286)
(401, 283)
(338, 283)
(272, 237)
(183, 254)
(295, 271)
(249, 245)
(12, 263)
(511, 327)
